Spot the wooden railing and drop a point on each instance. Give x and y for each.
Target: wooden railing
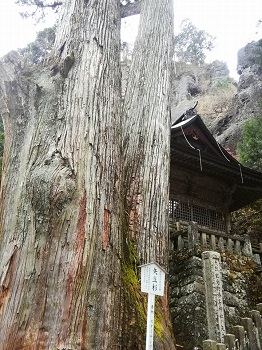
(247, 336)
(189, 235)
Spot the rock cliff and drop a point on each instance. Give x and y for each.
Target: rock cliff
(224, 104)
(209, 85)
(247, 99)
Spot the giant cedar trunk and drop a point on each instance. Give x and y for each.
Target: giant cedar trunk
(147, 144)
(60, 192)
(147, 132)
(66, 252)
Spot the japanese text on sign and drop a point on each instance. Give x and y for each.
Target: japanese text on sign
(152, 279)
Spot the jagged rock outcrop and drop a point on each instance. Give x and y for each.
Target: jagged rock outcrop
(245, 105)
(209, 84)
(223, 104)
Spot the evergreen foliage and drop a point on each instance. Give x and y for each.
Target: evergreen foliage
(192, 43)
(249, 220)
(249, 150)
(37, 51)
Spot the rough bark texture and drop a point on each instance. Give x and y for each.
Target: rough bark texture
(147, 142)
(147, 132)
(60, 270)
(68, 268)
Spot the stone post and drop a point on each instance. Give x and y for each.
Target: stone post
(221, 244)
(230, 341)
(237, 247)
(239, 332)
(257, 259)
(203, 239)
(209, 345)
(230, 245)
(213, 242)
(192, 235)
(259, 307)
(214, 295)
(180, 242)
(249, 328)
(247, 249)
(256, 317)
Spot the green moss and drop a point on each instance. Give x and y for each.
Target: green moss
(222, 85)
(142, 315)
(129, 277)
(137, 299)
(159, 330)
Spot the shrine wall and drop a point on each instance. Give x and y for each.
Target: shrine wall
(199, 189)
(187, 300)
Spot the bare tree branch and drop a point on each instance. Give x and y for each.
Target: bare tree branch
(36, 8)
(130, 9)
(52, 5)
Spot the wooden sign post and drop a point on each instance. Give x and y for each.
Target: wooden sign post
(152, 283)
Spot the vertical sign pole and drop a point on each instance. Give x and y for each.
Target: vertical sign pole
(150, 321)
(152, 283)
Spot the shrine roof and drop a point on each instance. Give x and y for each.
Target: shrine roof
(194, 147)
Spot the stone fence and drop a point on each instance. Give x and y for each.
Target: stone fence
(189, 236)
(247, 336)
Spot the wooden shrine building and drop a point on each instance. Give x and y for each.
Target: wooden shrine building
(206, 182)
(206, 185)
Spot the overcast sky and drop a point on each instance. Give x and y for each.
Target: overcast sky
(232, 22)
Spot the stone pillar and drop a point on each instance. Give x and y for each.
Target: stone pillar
(221, 244)
(256, 317)
(214, 295)
(209, 345)
(212, 242)
(230, 245)
(180, 242)
(257, 259)
(247, 249)
(230, 341)
(237, 247)
(239, 332)
(203, 239)
(192, 235)
(251, 336)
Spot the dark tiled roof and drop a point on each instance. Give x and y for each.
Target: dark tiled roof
(194, 147)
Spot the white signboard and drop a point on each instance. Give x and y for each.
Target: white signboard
(152, 279)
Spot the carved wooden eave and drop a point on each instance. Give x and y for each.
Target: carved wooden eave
(194, 149)
(130, 9)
